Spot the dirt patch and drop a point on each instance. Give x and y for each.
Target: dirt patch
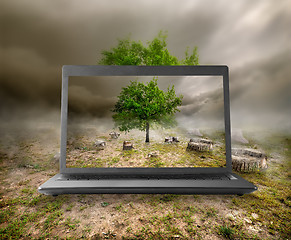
(26, 214)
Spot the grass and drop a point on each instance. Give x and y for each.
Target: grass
(119, 207)
(69, 207)
(52, 220)
(104, 204)
(26, 214)
(169, 155)
(71, 224)
(226, 232)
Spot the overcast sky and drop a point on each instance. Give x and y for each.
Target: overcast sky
(251, 37)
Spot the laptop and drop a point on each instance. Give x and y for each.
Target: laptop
(192, 155)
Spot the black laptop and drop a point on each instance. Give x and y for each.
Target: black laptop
(190, 153)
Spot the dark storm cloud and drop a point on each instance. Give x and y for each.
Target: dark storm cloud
(82, 101)
(252, 37)
(263, 93)
(208, 105)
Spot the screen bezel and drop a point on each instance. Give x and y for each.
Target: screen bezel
(98, 70)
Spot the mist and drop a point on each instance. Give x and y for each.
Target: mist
(253, 39)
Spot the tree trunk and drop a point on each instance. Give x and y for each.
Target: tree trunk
(147, 132)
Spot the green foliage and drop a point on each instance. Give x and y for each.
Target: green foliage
(142, 104)
(129, 52)
(157, 54)
(192, 59)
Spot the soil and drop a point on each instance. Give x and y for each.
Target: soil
(28, 162)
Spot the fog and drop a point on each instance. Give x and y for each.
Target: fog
(38, 37)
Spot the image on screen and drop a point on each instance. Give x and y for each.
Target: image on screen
(145, 122)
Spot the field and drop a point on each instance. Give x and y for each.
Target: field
(81, 151)
(27, 160)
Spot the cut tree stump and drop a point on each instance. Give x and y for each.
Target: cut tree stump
(199, 147)
(202, 140)
(153, 154)
(57, 157)
(127, 145)
(175, 139)
(200, 144)
(168, 139)
(114, 135)
(100, 144)
(248, 160)
(171, 139)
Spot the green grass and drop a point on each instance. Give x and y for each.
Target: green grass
(26, 214)
(53, 219)
(36, 207)
(104, 204)
(226, 232)
(69, 207)
(212, 212)
(155, 162)
(82, 208)
(112, 160)
(119, 207)
(71, 224)
(273, 199)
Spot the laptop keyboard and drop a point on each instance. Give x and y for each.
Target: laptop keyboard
(148, 177)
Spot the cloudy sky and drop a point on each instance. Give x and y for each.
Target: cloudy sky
(202, 103)
(251, 37)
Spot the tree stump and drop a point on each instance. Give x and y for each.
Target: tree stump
(114, 135)
(199, 147)
(168, 139)
(248, 160)
(153, 154)
(100, 144)
(202, 140)
(127, 145)
(200, 144)
(175, 139)
(57, 157)
(171, 139)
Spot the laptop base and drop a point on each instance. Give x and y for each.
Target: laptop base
(144, 186)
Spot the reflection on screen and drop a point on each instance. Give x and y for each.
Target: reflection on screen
(99, 136)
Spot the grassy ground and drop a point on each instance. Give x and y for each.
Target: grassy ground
(25, 163)
(81, 151)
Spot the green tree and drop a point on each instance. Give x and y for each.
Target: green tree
(140, 105)
(130, 52)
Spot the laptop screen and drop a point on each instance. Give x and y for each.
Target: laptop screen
(115, 122)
